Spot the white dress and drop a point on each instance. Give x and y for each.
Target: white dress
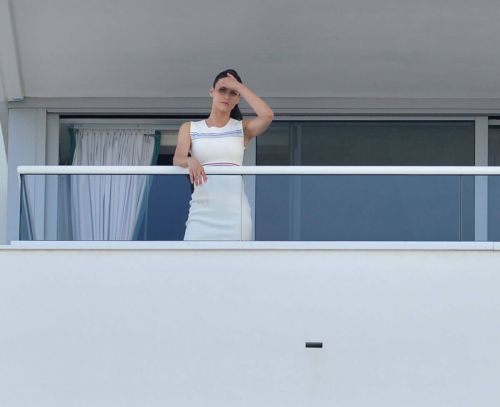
(219, 208)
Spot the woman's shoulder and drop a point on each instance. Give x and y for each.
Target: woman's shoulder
(191, 126)
(236, 123)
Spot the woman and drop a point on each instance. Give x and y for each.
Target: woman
(219, 208)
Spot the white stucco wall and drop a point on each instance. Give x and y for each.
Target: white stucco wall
(227, 328)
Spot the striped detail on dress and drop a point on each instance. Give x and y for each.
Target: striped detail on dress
(232, 133)
(227, 164)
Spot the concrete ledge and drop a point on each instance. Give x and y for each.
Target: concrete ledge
(250, 246)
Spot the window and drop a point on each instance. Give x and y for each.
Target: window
(408, 208)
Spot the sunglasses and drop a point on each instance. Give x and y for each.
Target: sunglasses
(226, 91)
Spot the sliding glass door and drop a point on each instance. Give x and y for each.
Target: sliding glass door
(366, 208)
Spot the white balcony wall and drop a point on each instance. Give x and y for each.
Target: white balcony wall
(228, 328)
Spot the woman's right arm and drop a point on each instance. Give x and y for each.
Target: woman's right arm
(182, 159)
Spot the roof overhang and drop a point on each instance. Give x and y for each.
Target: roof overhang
(10, 79)
(283, 48)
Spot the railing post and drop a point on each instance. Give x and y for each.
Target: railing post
(481, 182)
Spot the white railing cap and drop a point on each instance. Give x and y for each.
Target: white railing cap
(260, 170)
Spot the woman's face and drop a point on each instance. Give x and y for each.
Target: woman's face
(223, 96)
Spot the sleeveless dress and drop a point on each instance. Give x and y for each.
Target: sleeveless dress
(219, 208)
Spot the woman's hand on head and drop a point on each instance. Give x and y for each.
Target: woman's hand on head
(197, 174)
(230, 82)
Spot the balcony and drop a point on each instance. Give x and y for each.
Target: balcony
(287, 204)
(410, 322)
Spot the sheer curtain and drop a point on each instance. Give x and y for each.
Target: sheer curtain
(110, 207)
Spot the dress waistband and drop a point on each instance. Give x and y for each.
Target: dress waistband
(226, 164)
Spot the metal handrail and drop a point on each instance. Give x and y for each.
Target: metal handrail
(260, 170)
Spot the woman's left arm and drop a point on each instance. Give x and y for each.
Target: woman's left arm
(253, 127)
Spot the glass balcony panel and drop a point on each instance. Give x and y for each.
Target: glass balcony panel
(494, 208)
(26, 212)
(364, 208)
(494, 184)
(266, 207)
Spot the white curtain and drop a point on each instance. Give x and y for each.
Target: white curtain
(108, 207)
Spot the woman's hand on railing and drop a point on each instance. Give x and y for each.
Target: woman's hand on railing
(197, 174)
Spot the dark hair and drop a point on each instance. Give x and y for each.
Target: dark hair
(235, 113)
